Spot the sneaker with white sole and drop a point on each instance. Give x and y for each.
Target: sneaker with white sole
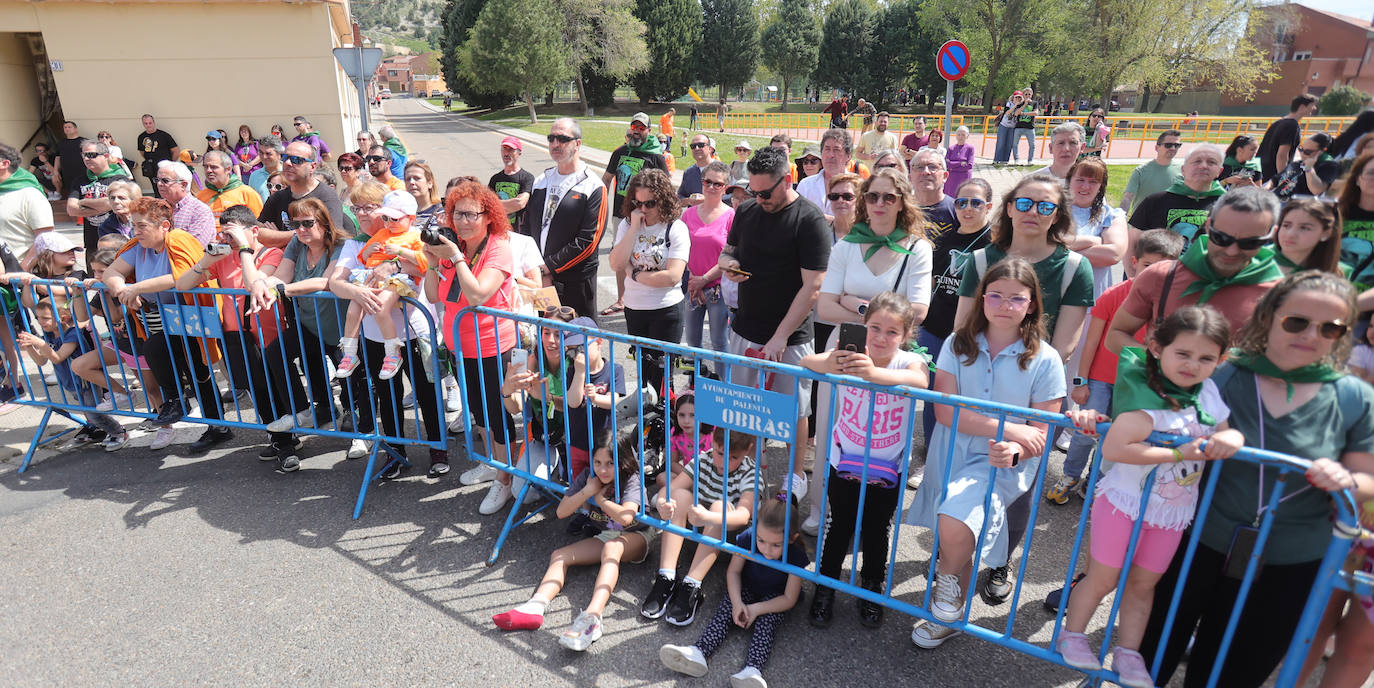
(798, 486)
(497, 496)
(303, 419)
(1130, 668)
(748, 677)
(812, 524)
(115, 442)
(1062, 444)
(408, 400)
(163, 438)
(929, 635)
(586, 629)
(481, 473)
(289, 463)
(947, 600)
(453, 400)
(684, 659)
(913, 482)
(357, 449)
(1077, 652)
(114, 400)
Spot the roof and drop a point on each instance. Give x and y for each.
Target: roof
(1365, 24)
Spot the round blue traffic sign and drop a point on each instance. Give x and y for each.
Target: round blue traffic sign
(952, 60)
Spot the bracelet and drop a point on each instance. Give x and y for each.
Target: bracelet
(1178, 455)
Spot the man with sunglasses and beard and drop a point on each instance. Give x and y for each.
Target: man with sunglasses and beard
(640, 152)
(779, 244)
(298, 169)
(1229, 266)
(566, 215)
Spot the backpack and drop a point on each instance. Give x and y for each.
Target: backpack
(980, 263)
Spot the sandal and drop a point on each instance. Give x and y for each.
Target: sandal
(613, 308)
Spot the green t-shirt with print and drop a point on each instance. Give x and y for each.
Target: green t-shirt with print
(1357, 246)
(1050, 272)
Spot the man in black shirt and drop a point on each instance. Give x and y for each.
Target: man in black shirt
(512, 184)
(89, 198)
(1282, 136)
(156, 146)
(1184, 207)
(70, 170)
(298, 169)
(641, 151)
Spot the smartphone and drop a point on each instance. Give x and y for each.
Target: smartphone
(519, 358)
(853, 337)
(736, 271)
(217, 249)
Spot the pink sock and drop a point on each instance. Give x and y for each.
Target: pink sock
(515, 620)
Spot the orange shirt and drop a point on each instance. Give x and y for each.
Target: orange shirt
(387, 241)
(665, 124)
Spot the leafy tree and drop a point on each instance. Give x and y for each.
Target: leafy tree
(846, 37)
(673, 41)
(730, 41)
(533, 58)
(1343, 100)
(904, 53)
(1010, 40)
(791, 43)
(604, 40)
(1214, 42)
(598, 88)
(457, 20)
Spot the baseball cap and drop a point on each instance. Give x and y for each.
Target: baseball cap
(1016, 93)
(577, 338)
(744, 144)
(55, 242)
(512, 142)
(213, 134)
(640, 118)
(741, 183)
(398, 204)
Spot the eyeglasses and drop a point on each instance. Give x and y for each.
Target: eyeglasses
(561, 138)
(347, 168)
(1045, 208)
(1174, 145)
(1296, 324)
(1223, 240)
(964, 203)
(709, 184)
(164, 181)
(297, 224)
(365, 209)
(766, 193)
(875, 198)
(1308, 151)
(928, 167)
(468, 215)
(889, 166)
(270, 187)
(1016, 303)
(295, 159)
(375, 158)
(849, 197)
(699, 145)
(91, 155)
(650, 204)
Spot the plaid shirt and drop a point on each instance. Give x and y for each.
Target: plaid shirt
(192, 215)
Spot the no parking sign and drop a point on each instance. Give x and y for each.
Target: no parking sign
(952, 60)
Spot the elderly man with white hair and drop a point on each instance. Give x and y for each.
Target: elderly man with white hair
(188, 212)
(928, 173)
(224, 189)
(1067, 142)
(1185, 206)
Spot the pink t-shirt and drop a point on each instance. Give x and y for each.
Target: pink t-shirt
(230, 275)
(707, 240)
(497, 255)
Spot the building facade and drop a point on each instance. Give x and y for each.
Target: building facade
(1314, 51)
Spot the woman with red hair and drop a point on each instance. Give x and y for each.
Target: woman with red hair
(475, 266)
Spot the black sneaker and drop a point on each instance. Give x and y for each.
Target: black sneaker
(169, 413)
(289, 463)
(994, 587)
(656, 602)
(211, 438)
(682, 608)
(822, 607)
(273, 449)
(393, 471)
(1052, 599)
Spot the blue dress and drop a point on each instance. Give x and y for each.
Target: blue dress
(998, 379)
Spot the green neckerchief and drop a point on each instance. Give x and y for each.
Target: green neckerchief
(1284, 261)
(1132, 391)
(555, 389)
(650, 145)
(1261, 365)
(234, 183)
(20, 179)
(1251, 164)
(394, 145)
(1184, 190)
(110, 171)
(1262, 268)
(861, 233)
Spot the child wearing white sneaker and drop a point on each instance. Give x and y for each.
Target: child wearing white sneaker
(711, 491)
(60, 341)
(757, 596)
(621, 538)
(1165, 389)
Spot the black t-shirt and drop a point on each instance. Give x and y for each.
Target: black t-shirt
(274, 209)
(1165, 210)
(1283, 131)
(508, 186)
(940, 218)
(601, 418)
(1026, 120)
(1292, 181)
(765, 581)
(85, 188)
(624, 165)
(43, 173)
(73, 169)
(952, 250)
(155, 148)
(774, 248)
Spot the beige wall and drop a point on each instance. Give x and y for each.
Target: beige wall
(19, 106)
(198, 75)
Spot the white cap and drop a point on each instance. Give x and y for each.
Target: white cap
(398, 204)
(55, 242)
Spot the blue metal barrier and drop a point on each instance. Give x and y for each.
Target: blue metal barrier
(546, 481)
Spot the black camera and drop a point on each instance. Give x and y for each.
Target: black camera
(430, 235)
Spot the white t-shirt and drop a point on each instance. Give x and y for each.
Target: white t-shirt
(524, 253)
(1362, 357)
(653, 248)
(890, 416)
(847, 273)
(21, 212)
(419, 324)
(1084, 225)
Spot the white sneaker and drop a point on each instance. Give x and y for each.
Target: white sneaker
(162, 438)
(114, 400)
(929, 635)
(684, 659)
(812, 524)
(1062, 444)
(115, 442)
(454, 400)
(304, 419)
(947, 601)
(748, 677)
(408, 401)
(913, 482)
(357, 449)
(586, 629)
(798, 485)
(481, 473)
(496, 498)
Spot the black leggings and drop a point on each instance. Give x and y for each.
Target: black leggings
(822, 332)
(389, 392)
(175, 360)
(1264, 629)
(663, 324)
(482, 376)
(248, 374)
(299, 343)
(842, 496)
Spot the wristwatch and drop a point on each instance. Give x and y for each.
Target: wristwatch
(1078, 381)
(863, 308)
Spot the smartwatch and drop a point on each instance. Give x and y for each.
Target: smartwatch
(863, 308)
(1078, 381)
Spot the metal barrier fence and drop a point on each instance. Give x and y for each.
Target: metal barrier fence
(261, 363)
(770, 414)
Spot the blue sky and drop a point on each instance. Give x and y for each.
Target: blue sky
(1354, 8)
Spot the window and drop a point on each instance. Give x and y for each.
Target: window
(1302, 55)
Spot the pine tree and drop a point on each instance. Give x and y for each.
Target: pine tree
(791, 43)
(673, 41)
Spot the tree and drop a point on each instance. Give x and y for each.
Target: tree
(457, 21)
(533, 58)
(907, 53)
(1214, 42)
(847, 35)
(791, 43)
(604, 40)
(1010, 40)
(673, 40)
(730, 35)
(1342, 101)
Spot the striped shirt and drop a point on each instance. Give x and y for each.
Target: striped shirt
(711, 482)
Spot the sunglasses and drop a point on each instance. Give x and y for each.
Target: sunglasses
(295, 160)
(1016, 303)
(651, 203)
(91, 155)
(810, 161)
(560, 138)
(270, 187)
(1308, 151)
(708, 184)
(297, 224)
(964, 203)
(560, 312)
(1223, 240)
(1296, 324)
(1045, 208)
(1172, 146)
(347, 168)
(105, 137)
(766, 193)
(875, 198)
(840, 197)
(375, 158)
(698, 146)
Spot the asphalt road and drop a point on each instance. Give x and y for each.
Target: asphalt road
(147, 568)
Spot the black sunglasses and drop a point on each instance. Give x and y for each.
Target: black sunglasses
(375, 158)
(347, 168)
(560, 138)
(766, 193)
(963, 203)
(295, 160)
(1295, 324)
(651, 203)
(1173, 146)
(91, 155)
(1223, 240)
(695, 146)
(297, 224)
(840, 197)
(273, 187)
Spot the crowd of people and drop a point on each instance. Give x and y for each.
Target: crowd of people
(887, 260)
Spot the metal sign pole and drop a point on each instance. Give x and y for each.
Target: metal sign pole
(949, 108)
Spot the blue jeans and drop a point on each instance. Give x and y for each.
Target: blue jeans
(1016, 136)
(933, 345)
(1081, 446)
(720, 324)
(1002, 152)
